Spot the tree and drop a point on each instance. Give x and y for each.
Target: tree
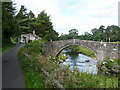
(94, 31)
(22, 14)
(101, 29)
(115, 33)
(23, 21)
(64, 37)
(44, 27)
(31, 15)
(8, 21)
(111, 32)
(31, 21)
(87, 36)
(73, 33)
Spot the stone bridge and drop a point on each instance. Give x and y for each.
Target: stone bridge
(100, 49)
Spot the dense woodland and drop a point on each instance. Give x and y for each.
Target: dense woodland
(15, 23)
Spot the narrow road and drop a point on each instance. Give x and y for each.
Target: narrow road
(12, 76)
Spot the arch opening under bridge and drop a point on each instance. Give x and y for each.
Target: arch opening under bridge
(60, 50)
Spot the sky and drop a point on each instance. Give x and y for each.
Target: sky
(83, 15)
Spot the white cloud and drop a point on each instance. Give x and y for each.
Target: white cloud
(80, 14)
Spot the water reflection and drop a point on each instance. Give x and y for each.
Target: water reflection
(82, 63)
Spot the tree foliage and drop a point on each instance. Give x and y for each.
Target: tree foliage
(73, 34)
(25, 20)
(111, 33)
(24, 23)
(42, 24)
(8, 20)
(44, 27)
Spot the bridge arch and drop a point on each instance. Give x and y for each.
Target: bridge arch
(59, 51)
(100, 49)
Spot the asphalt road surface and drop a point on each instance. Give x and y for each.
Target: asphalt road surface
(12, 76)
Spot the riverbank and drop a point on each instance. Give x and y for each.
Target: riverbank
(82, 50)
(86, 51)
(43, 72)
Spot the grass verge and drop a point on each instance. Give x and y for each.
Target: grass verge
(6, 47)
(33, 77)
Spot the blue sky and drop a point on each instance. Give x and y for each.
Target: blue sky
(83, 15)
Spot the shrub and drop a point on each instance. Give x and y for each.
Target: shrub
(109, 66)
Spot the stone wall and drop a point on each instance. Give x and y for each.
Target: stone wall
(100, 49)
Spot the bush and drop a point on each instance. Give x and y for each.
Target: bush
(109, 66)
(35, 47)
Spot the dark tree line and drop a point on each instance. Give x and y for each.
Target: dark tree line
(111, 33)
(14, 24)
(8, 21)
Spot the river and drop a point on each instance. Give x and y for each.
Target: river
(81, 62)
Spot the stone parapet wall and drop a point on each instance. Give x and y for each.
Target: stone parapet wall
(101, 49)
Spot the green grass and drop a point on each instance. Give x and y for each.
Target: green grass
(86, 51)
(114, 42)
(117, 61)
(0, 50)
(34, 63)
(75, 50)
(6, 47)
(33, 77)
(7, 43)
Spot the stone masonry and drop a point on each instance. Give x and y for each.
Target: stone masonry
(100, 49)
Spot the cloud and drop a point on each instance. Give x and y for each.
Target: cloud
(83, 15)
